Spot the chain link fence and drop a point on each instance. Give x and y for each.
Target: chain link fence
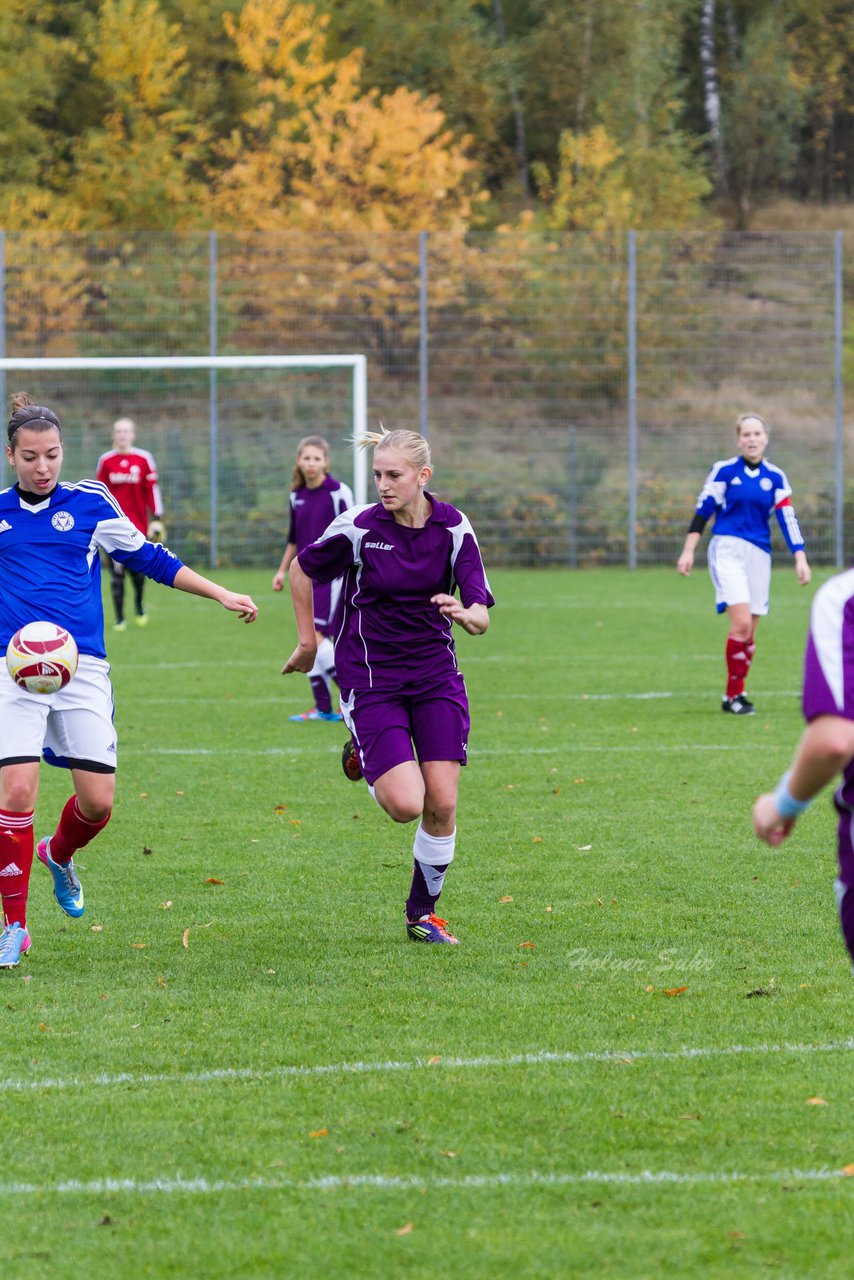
(575, 388)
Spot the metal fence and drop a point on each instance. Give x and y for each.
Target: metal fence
(575, 388)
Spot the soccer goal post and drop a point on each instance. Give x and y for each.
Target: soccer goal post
(223, 431)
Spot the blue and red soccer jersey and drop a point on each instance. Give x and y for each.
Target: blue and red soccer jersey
(49, 564)
(741, 498)
(392, 635)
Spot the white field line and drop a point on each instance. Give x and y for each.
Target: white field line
(475, 753)
(544, 1057)
(181, 1185)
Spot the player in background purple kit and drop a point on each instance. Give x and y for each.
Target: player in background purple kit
(741, 493)
(403, 696)
(316, 499)
(827, 747)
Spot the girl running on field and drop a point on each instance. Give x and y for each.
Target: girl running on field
(740, 494)
(402, 694)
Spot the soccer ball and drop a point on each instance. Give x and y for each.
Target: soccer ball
(41, 657)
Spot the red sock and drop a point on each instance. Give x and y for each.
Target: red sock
(749, 650)
(737, 665)
(16, 861)
(73, 832)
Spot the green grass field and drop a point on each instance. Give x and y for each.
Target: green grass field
(636, 1064)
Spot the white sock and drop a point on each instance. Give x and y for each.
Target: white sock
(432, 852)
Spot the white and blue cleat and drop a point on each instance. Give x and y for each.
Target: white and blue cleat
(66, 886)
(14, 945)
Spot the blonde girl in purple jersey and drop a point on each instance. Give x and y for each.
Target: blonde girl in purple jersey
(316, 499)
(402, 694)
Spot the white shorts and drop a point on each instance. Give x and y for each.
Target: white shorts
(741, 573)
(71, 728)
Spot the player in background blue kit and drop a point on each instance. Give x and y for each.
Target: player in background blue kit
(741, 494)
(50, 569)
(316, 499)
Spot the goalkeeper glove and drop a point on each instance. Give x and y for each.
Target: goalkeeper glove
(156, 531)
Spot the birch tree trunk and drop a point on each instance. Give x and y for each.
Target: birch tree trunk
(711, 97)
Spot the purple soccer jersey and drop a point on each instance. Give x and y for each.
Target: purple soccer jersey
(391, 636)
(312, 511)
(829, 687)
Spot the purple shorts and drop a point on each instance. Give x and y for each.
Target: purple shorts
(412, 724)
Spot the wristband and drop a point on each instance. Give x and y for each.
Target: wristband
(787, 805)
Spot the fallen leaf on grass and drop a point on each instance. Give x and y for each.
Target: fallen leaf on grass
(213, 880)
(166, 906)
(578, 781)
(508, 897)
(103, 997)
(549, 908)
(816, 1102)
(435, 1060)
(404, 1230)
(143, 795)
(584, 848)
(96, 928)
(674, 991)
(146, 852)
(279, 808)
(649, 988)
(538, 839)
(848, 1170)
(319, 1133)
(138, 946)
(757, 991)
(106, 1221)
(161, 981)
(179, 793)
(185, 941)
(527, 945)
(452, 1155)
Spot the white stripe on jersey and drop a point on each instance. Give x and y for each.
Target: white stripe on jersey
(826, 630)
(95, 486)
(458, 533)
(787, 515)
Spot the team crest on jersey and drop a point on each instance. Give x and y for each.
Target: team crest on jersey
(62, 521)
(765, 483)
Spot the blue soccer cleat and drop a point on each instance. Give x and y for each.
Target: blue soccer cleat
(14, 945)
(334, 717)
(430, 929)
(66, 887)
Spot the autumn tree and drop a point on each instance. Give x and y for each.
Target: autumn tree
(135, 168)
(317, 153)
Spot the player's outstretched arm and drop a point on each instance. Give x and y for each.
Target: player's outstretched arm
(825, 750)
(188, 580)
(474, 619)
(302, 595)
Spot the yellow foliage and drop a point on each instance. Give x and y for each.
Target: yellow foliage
(601, 186)
(315, 150)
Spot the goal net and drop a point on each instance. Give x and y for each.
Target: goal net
(223, 431)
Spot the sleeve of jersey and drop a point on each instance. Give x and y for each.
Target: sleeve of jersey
(467, 566)
(787, 519)
(333, 553)
(828, 662)
(122, 541)
(712, 495)
(344, 498)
